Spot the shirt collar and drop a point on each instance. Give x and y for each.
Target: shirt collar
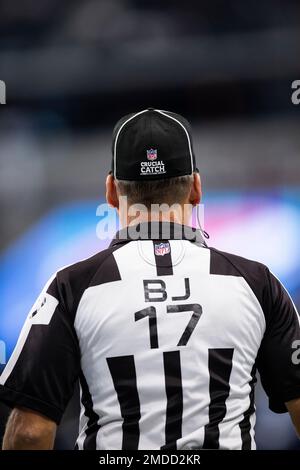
(158, 231)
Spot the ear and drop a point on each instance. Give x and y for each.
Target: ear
(111, 192)
(196, 190)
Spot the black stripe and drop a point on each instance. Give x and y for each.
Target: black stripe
(255, 274)
(75, 279)
(245, 424)
(163, 262)
(220, 365)
(173, 381)
(123, 374)
(90, 442)
(108, 271)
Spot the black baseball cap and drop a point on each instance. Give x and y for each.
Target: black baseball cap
(152, 144)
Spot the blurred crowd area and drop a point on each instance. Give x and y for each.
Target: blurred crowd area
(73, 68)
(74, 64)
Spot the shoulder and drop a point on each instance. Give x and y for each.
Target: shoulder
(256, 275)
(225, 263)
(84, 271)
(70, 282)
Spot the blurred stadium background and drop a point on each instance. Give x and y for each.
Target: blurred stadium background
(73, 68)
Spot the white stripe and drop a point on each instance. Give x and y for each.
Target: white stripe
(26, 329)
(83, 420)
(237, 402)
(185, 130)
(139, 252)
(117, 136)
(16, 353)
(27, 326)
(196, 398)
(151, 424)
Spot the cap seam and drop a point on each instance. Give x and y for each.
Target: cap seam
(186, 133)
(117, 137)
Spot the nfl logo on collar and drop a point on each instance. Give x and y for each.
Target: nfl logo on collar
(162, 249)
(151, 154)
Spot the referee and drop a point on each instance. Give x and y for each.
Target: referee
(164, 334)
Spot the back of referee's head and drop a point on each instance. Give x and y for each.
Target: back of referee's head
(153, 161)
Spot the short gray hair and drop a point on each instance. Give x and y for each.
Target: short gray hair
(169, 191)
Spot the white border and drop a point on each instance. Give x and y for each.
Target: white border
(164, 113)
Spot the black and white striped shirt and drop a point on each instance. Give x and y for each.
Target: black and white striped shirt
(165, 336)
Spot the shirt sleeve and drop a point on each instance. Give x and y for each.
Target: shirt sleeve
(277, 362)
(43, 369)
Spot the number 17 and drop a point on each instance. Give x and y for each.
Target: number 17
(151, 313)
